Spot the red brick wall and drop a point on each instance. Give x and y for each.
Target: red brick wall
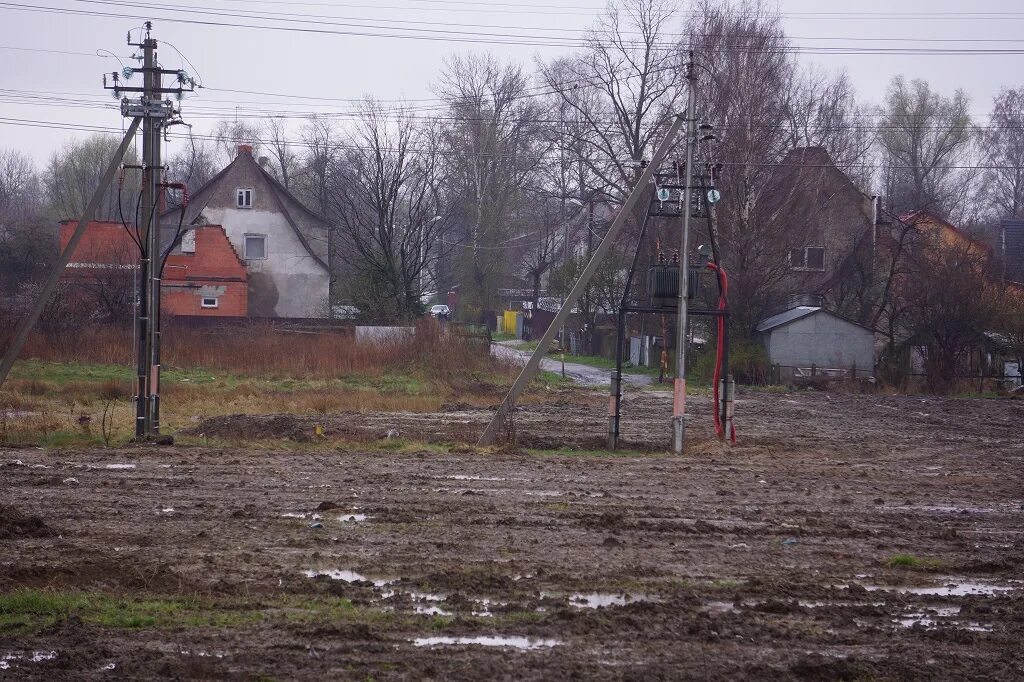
(186, 299)
(187, 276)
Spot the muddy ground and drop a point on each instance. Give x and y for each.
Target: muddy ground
(846, 537)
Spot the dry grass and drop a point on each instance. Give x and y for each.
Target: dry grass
(59, 396)
(261, 350)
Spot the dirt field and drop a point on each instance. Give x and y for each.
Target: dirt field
(847, 537)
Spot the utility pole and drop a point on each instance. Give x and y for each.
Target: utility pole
(157, 115)
(679, 391)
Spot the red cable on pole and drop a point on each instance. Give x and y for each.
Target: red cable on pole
(723, 299)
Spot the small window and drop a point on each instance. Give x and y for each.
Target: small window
(243, 198)
(255, 247)
(209, 302)
(815, 258)
(809, 258)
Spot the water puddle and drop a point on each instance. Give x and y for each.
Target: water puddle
(351, 577)
(118, 466)
(523, 643)
(934, 617)
(353, 518)
(464, 477)
(720, 607)
(35, 657)
(431, 610)
(950, 589)
(598, 600)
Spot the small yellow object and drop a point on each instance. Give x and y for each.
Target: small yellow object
(319, 430)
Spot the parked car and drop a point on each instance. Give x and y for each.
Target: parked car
(441, 312)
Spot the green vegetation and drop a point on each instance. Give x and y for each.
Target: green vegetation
(31, 610)
(912, 562)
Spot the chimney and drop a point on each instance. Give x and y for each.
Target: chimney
(245, 149)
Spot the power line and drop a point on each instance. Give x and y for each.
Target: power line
(524, 157)
(452, 35)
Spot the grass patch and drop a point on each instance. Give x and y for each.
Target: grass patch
(503, 337)
(911, 562)
(27, 610)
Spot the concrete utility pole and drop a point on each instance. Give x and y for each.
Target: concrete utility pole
(679, 391)
(157, 115)
(490, 434)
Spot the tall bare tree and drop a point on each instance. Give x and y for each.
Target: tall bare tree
(492, 145)
(388, 198)
(1004, 152)
(616, 97)
(925, 136)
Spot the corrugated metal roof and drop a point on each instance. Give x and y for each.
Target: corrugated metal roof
(786, 317)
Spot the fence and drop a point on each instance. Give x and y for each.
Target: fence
(820, 376)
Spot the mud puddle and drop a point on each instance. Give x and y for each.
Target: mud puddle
(599, 600)
(523, 643)
(951, 588)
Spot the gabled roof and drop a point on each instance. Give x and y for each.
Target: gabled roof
(281, 196)
(799, 312)
(787, 316)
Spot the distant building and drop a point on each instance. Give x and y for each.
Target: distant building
(1012, 247)
(282, 243)
(809, 339)
(820, 217)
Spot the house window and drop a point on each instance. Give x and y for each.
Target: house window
(243, 198)
(809, 258)
(208, 302)
(255, 247)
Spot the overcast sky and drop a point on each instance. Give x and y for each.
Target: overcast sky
(348, 66)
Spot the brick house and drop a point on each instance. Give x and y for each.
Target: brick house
(205, 277)
(283, 244)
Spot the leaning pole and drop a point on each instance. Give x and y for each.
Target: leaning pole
(490, 434)
(26, 325)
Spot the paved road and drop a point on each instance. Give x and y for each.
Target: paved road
(581, 374)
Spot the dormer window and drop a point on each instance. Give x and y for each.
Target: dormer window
(243, 197)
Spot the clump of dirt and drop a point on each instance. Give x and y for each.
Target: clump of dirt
(254, 427)
(16, 524)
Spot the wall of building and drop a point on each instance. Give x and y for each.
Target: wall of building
(822, 340)
(288, 282)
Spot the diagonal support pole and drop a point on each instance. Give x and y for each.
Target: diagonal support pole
(58, 269)
(490, 434)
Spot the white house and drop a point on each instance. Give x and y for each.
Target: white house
(282, 243)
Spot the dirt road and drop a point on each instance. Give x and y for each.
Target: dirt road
(846, 537)
(584, 375)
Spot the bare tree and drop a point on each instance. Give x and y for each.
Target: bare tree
(74, 173)
(493, 146)
(26, 247)
(616, 98)
(228, 134)
(285, 158)
(386, 194)
(925, 137)
(744, 76)
(1004, 147)
(823, 112)
(952, 302)
(193, 166)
